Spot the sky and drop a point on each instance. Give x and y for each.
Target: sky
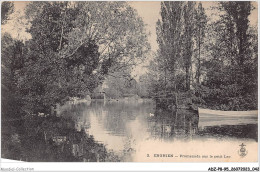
(149, 11)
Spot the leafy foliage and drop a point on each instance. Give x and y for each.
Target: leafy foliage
(216, 60)
(227, 71)
(7, 8)
(74, 46)
(12, 63)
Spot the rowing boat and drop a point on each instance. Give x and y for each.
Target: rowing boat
(228, 113)
(208, 117)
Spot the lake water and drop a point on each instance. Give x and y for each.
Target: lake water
(137, 132)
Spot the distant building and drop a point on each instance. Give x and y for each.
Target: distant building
(59, 139)
(99, 92)
(131, 97)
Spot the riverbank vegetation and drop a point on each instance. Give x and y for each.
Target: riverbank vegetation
(75, 48)
(71, 49)
(206, 60)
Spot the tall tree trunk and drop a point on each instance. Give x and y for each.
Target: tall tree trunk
(199, 65)
(187, 78)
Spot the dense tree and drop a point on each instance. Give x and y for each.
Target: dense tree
(187, 37)
(230, 68)
(11, 62)
(119, 84)
(219, 55)
(7, 8)
(175, 36)
(169, 44)
(74, 45)
(200, 29)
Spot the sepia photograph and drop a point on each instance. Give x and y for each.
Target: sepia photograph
(129, 81)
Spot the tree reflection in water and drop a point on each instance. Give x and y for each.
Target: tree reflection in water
(107, 131)
(167, 125)
(53, 139)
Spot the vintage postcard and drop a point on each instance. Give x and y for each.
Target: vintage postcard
(129, 81)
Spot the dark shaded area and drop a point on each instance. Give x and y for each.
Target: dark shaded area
(7, 8)
(50, 139)
(182, 123)
(249, 131)
(169, 125)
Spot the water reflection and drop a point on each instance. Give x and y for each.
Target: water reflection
(124, 126)
(177, 124)
(54, 139)
(119, 131)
